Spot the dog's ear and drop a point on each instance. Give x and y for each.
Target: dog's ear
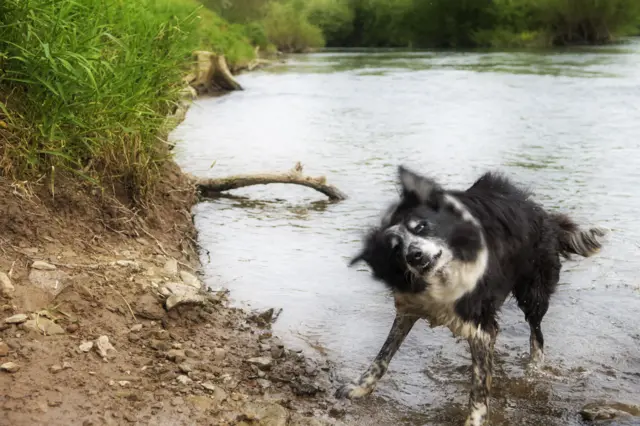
(417, 189)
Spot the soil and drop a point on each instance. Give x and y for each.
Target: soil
(85, 282)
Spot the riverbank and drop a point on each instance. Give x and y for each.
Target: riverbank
(78, 270)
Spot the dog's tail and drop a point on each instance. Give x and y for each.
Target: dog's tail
(574, 240)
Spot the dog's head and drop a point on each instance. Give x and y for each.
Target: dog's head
(420, 235)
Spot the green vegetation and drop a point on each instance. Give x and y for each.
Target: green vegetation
(435, 23)
(86, 85)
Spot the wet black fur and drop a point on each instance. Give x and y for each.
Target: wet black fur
(525, 243)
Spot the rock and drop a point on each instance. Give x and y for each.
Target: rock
(176, 355)
(184, 380)
(6, 286)
(50, 281)
(190, 280)
(209, 386)
(264, 347)
(72, 328)
(147, 306)
(219, 354)
(185, 368)
(596, 411)
(124, 383)
(267, 414)
(160, 345)
(177, 401)
(192, 354)
(262, 362)
(264, 383)
(4, 349)
(16, 319)
(304, 387)
(171, 267)
(128, 264)
(9, 367)
(277, 352)
(55, 369)
(85, 346)
(104, 348)
(44, 326)
(43, 266)
(136, 328)
(182, 294)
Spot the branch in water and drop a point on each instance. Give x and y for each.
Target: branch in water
(211, 187)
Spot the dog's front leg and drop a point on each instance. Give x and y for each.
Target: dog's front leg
(482, 357)
(402, 325)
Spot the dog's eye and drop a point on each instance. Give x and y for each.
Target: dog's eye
(420, 228)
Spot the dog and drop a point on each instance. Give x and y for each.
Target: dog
(453, 257)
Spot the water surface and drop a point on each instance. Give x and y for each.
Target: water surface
(566, 123)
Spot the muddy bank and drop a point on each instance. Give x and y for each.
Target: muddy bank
(103, 320)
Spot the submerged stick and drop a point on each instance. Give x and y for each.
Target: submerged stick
(211, 187)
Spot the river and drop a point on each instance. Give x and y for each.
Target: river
(566, 123)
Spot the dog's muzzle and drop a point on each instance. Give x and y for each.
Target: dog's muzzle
(419, 260)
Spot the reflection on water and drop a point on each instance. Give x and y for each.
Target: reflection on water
(566, 124)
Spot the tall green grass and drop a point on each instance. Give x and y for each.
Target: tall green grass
(86, 85)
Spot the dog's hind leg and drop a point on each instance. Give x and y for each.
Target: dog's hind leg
(481, 346)
(366, 383)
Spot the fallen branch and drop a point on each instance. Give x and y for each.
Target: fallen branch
(211, 187)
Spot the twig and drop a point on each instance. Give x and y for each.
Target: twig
(126, 303)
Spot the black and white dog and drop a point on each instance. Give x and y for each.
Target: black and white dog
(453, 257)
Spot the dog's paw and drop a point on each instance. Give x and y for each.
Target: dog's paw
(352, 391)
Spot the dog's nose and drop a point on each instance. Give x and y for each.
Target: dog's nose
(415, 256)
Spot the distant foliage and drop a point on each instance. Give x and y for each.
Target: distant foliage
(288, 27)
(440, 23)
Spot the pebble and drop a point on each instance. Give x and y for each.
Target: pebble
(185, 368)
(184, 380)
(72, 328)
(190, 279)
(219, 354)
(16, 319)
(85, 346)
(176, 356)
(177, 401)
(128, 264)
(148, 307)
(44, 326)
(262, 362)
(104, 348)
(6, 286)
(10, 367)
(136, 328)
(277, 352)
(43, 266)
(160, 345)
(209, 386)
(4, 349)
(192, 354)
(55, 369)
(171, 267)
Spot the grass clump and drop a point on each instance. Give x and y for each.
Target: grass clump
(86, 85)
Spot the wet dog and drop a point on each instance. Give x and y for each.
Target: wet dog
(453, 257)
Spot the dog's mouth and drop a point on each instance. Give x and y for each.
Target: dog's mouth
(429, 265)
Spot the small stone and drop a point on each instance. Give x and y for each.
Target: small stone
(66, 365)
(72, 328)
(264, 383)
(192, 354)
(147, 306)
(219, 354)
(16, 319)
(55, 369)
(85, 346)
(265, 347)
(54, 402)
(209, 386)
(185, 368)
(160, 345)
(177, 401)
(44, 326)
(262, 362)
(266, 413)
(104, 348)
(128, 264)
(136, 328)
(6, 286)
(184, 380)
(186, 299)
(43, 266)
(10, 367)
(171, 267)
(277, 352)
(304, 387)
(124, 383)
(130, 417)
(190, 280)
(176, 356)
(4, 349)
(162, 335)
(264, 336)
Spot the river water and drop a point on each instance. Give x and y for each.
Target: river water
(566, 123)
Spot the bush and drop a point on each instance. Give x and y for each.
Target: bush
(86, 85)
(287, 27)
(333, 17)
